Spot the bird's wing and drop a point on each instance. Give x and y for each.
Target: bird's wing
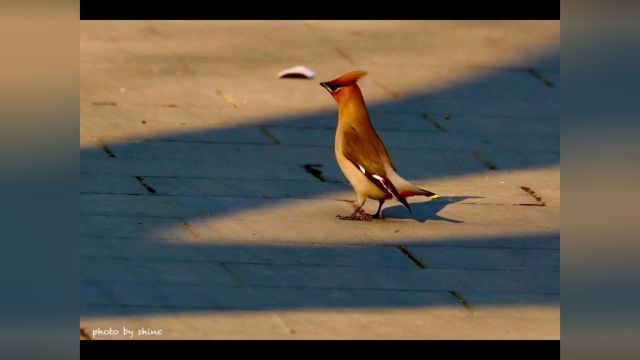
(365, 157)
(382, 150)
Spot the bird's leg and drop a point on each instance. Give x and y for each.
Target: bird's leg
(358, 213)
(378, 214)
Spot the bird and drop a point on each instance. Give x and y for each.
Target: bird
(361, 154)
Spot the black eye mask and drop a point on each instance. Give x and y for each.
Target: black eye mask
(330, 88)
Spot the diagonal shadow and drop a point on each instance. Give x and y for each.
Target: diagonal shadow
(206, 174)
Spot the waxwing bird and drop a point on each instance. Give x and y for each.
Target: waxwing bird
(360, 153)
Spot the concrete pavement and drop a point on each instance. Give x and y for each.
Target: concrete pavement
(200, 218)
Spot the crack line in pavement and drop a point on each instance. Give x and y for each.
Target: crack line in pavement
(486, 162)
(231, 178)
(265, 197)
(146, 186)
(104, 103)
(199, 195)
(232, 273)
(539, 76)
(342, 288)
(462, 301)
(483, 115)
(269, 134)
(395, 147)
(433, 122)
(411, 257)
(104, 147)
(275, 264)
(131, 215)
(171, 307)
(192, 234)
(218, 142)
(291, 264)
(109, 193)
(285, 242)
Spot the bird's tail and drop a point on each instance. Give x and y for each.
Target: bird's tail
(407, 189)
(418, 191)
(430, 194)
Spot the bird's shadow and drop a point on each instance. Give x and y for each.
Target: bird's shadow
(427, 210)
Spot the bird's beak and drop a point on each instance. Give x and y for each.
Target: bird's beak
(326, 86)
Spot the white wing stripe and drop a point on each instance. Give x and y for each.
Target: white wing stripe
(379, 178)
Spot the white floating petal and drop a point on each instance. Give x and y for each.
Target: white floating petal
(297, 72)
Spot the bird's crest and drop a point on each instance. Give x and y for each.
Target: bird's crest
(347, 79)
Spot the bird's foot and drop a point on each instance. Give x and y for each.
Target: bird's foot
(358, 215)
(378, 216)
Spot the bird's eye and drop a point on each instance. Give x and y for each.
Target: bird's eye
(335, 87)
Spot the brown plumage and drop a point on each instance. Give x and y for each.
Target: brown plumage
(360, 153)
